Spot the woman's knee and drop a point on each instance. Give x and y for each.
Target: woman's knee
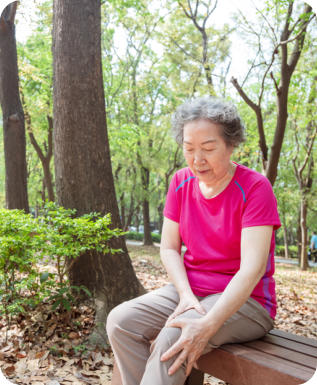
(165, 339)
(117, 318)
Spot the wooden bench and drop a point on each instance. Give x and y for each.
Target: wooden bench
(279, 358)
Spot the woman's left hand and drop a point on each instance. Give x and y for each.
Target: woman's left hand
(190, 344)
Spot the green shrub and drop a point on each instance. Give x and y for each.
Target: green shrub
(20, 242)
(56, 235)
(133, 235)
(292, 249)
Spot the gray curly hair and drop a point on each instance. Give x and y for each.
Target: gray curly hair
(214, 109)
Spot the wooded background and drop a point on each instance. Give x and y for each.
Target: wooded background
(97, 81)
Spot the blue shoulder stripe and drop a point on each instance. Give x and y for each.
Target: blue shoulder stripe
(243, 194)
(186, 180)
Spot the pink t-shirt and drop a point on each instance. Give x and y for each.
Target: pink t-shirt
(211, 229)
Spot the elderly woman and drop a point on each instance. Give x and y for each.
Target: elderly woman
(222, 290)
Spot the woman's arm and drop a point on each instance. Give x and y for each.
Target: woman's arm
(171, 258)
(255, 246)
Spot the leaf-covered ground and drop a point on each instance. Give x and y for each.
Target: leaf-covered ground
(45, 347)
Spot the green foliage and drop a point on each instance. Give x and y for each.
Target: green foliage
(56, 237)
(293, 250)
(134, 235)
(20, 238)
(152, 61)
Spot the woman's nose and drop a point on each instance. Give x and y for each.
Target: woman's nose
(199, 158)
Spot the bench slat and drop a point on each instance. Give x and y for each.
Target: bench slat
(282, 352)
(241, 365)
(289, 344)
(269, 361)
(293, 337)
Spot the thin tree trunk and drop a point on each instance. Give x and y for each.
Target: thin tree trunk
(147, 240)
(130, 215)
(160, 217)
(13, 116)
(303, 225)
(286, 254)
(48, 180)
(299, 237)
(83, 171)
(122, 209)
(44, 158)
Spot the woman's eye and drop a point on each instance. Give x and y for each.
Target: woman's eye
(209, 149)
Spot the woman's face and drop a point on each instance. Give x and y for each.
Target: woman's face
(205, 151)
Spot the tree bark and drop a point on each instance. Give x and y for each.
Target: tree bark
(286, 254)
(147, 238)
(44, 158)
(303, 225)
(130, 214)
(84, 179)
(13, 116)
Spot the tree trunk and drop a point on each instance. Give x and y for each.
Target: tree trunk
(160, 217)
(137, 218)
(83, 173)
(299, 237)
(122, 208)
(48, 179)
(147, 240)
(13, 116)
(303, 226)
(282, 114)
(131, 211)
(286, 254)
(44, 158)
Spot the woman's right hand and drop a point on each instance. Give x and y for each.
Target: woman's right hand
(186, 303)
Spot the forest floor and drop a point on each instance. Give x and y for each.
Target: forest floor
(46, 347)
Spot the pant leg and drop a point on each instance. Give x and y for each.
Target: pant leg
(250, 322)
(133, 324)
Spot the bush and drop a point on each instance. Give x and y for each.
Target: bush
(280, 250)
(20, 243)
(55, 235)
(133, 235)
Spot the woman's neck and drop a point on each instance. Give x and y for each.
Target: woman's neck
(210, 190)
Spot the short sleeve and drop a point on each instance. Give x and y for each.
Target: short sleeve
(172, 208)
(261, 206)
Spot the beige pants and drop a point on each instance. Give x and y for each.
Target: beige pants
(133, 324)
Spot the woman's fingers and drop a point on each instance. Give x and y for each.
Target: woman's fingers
(189, 368)
(178, 362)
(172, 316)
(200, 309)
(176, 348)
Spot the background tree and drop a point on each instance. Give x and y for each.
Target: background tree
(36, 74)
(12, 115)
(303, 158)
(291, 38)
(82, 160)
(198, 51)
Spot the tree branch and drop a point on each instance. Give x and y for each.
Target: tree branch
(308, 152)
(299, 41)
(244, 96)
(12, 12)
(275, 83)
